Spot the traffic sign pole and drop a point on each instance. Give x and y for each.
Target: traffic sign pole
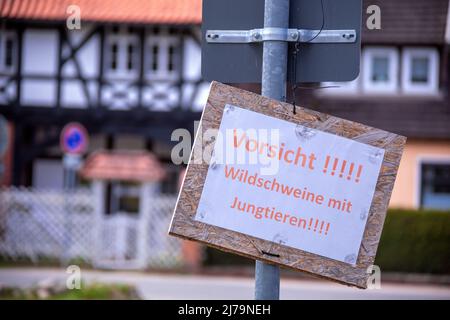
(74, 142)
(274, 74)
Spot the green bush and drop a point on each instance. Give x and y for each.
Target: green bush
(416, 241)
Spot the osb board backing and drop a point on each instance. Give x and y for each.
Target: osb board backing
(184, 225)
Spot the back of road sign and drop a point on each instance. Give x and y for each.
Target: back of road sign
(316, 62)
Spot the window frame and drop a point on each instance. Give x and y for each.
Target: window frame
(368, 85)
(163, 40)
(423, 160)
(4, 36)
(123, 38)
(430, 87)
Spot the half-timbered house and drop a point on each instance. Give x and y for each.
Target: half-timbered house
(129, 72)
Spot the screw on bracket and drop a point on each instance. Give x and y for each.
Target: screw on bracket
(348, 35)
(212, 35)
(257, 35)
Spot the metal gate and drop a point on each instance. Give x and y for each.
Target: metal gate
(66, 226)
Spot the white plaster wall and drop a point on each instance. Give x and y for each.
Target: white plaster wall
(40, 93)
(72, 94)
(40, 52)
(192, 72)
(89, 57)
(48, 174)
(40, 58)
(192, 60)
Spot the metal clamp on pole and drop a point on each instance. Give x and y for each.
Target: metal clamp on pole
(281, 34)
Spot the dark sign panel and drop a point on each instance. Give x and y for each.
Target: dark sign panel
(316, 62)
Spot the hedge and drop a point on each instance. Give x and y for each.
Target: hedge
(414, 241)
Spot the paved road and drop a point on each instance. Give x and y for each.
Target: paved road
(163, 286)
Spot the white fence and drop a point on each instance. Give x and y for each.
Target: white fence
(62, 225)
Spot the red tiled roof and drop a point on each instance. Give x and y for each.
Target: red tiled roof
(408, 22)
(402, 21)
(129, 11)
(123, 165)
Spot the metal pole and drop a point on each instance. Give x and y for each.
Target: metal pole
(274, 71)
(70, 164)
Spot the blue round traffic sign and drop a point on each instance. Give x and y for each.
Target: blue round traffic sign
(74, 138)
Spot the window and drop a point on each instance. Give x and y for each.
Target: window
(131, 65)
(380, 73)
(420, 70)
(171, 59)
(380, 70)
(435, 185)
(7, 51)
(154, 58)
(114, 52)
(162, 54)
(122, 53)
(123, 197)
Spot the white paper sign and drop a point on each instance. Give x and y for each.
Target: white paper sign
(286, 183)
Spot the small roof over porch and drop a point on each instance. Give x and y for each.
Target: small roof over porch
(139, 166)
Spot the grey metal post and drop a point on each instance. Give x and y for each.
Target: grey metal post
(274, 71)
(70, 175)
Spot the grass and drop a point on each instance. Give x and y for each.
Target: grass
(94, 291)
